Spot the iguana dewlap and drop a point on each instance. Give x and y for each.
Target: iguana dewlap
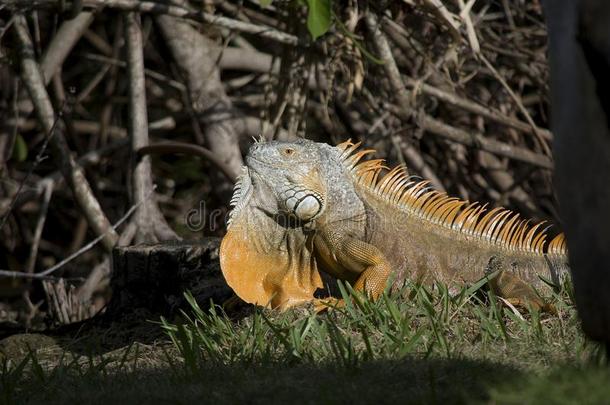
(304, 207)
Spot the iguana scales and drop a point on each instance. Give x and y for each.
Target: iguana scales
(301, 208)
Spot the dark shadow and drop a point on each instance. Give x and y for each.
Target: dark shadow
(102, 333)
(403, 381)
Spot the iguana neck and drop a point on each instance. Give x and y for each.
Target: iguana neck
(344, 204)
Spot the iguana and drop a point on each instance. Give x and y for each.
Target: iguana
(301, 208)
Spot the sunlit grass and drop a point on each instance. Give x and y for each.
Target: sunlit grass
(419, 322)
(425, 344)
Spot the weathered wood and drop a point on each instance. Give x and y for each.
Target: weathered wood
(64, 306)
(156, 276)
(579, 48)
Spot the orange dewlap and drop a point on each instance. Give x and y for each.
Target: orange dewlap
(268, 279)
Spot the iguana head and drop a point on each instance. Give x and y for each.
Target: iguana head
(289, 172)
(304, 180)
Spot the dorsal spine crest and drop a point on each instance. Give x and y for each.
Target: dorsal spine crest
(498, 226)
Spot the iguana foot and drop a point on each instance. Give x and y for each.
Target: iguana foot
(538, 305)
(519, 294)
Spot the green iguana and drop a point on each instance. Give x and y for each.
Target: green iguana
(301, 208)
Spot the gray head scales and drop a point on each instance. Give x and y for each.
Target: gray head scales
(286, 175)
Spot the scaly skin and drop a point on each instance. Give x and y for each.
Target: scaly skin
(305, 207)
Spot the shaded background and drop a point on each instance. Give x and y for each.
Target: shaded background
(455, 90)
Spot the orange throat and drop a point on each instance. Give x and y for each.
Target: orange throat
(279, 276)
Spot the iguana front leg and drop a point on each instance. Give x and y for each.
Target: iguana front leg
(353, 260)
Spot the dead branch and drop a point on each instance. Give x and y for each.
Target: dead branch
(73, 173)
(60, 46)
(44, 275)
(101, 272)
(481, 141)
(519, 103)
(47, 187)
(389, 66)
(417, 163)
(171, 10)
(197, 55)
(37, 160)
(35, 191)
(67, 36)
(435, 126)
(189, 149)
(471, 106)
(151, 224)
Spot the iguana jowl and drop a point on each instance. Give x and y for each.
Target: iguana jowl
(303, 207)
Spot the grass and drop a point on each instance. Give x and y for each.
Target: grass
(425, 345)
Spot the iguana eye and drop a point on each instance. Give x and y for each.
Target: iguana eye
(288, 151)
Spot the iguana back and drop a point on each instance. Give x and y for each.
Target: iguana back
(429, 235)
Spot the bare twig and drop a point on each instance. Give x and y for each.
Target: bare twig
(36, 190)
(517, 100)
(470, 32)
(390, 67)
(494, 115)
(93, 84)
(174, 11)
(93, 127)
(417, 163)
(116, 62)
(47, 187)
(39, 158)
(68, 34)
(73, 173)
(98, 42)
(478, 140)
(44, 275)
(60, 46)
(505, 181)
(189, 149)
(437, 8)
(7, 139)
(31, 262)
